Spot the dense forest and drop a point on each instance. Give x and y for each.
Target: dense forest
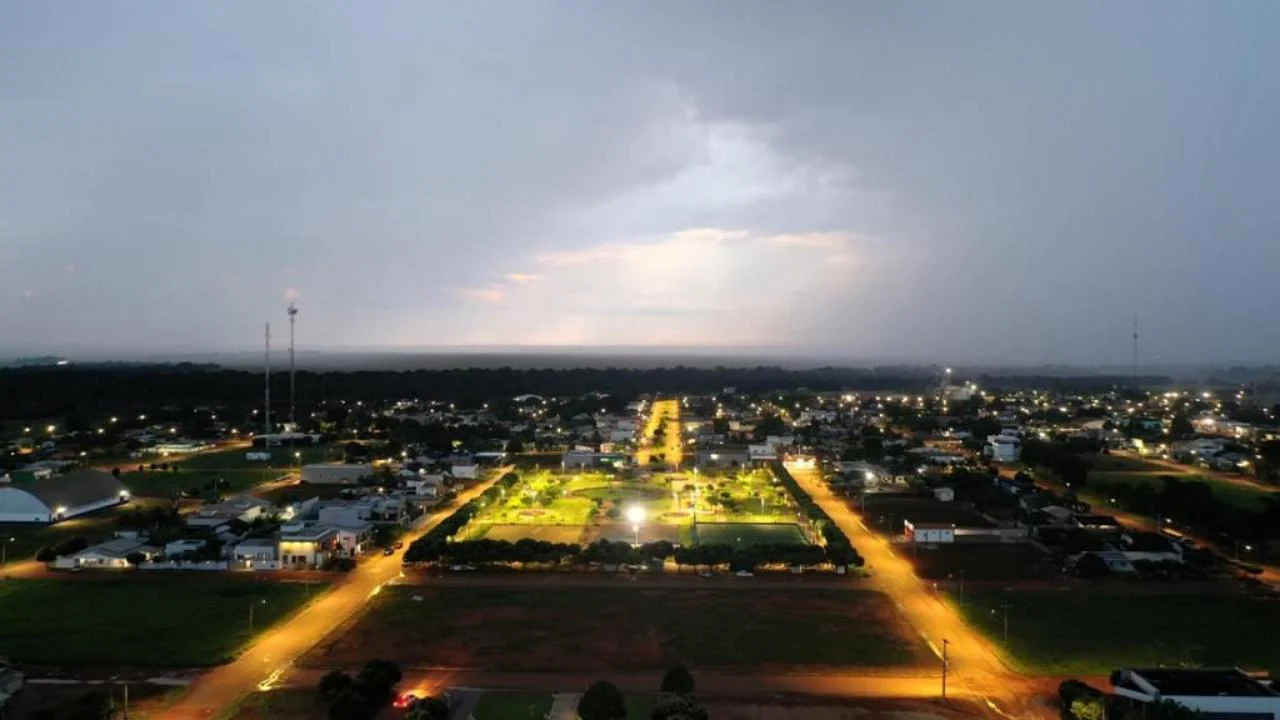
(46, 391)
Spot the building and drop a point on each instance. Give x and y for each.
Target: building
(245, 508)
(723, 456)
(110, 554)
(306, 546)
(335, 473)
(256, 554)
(1003, 448)
(1220, 694)
(61, 497)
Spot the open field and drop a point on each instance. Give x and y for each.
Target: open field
(513, 706)
(146, 701)
(512, 533)
(1244, 496)
(203, 469)
(279, 704)
(169, 621)
(626, 628)
(1121, 463)
(980, 562)
(1085, 633)
(750, 534)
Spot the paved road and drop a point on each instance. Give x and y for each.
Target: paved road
(975, 665)
(665, 414)
(272, 654)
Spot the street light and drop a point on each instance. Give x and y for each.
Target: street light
(945, 665)
(253, 605)
(4, 551)
(1005, 614)
(635, 515)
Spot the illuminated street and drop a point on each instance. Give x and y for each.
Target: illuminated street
(975, 666)
(664, 414)
(270, 657)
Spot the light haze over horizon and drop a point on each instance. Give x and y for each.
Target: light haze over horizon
(1002, 182)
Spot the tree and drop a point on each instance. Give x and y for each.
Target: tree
(1091, 565)
(428, 708)
(602, 701)
(1088, 708)
(677, 680)
(115, 472)
(353, 703)
(135, 558)
(333, 683)
(46, 555)
(678, 708)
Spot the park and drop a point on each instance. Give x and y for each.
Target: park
(739, 508)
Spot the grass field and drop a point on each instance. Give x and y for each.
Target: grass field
(1121, 463)
(749, 534)
(980, 562)
(278, 704)
(202, 469)
(154, 621)
(1244, 496)
(512, 533)
(586, 629)
(513, 706)
(1083, 633)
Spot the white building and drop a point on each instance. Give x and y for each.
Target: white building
(466, 472)
(256, 554)
(61, 497)
(306, 546)
(110, 554)
(335, 473)
(242, 507)
(1221, 694)
(1003, 448)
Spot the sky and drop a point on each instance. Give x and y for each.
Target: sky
(1009, 182)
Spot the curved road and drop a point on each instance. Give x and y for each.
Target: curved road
(271, 655)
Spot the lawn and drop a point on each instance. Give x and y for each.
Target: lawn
(1084, 633)
(1243, 496)
(1121, 463)
(750, 534)
(980, 562)
(161, 483)
(278, 704)
(280, 458)
(134, 621)
(585, 629)
(512, 706)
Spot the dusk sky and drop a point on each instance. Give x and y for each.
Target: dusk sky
(968, 181)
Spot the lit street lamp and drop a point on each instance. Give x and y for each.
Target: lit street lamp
(635, 516)
(252, 605)
(4, 550)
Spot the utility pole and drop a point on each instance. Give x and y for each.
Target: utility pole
(945, 643)
(1005, 607)
(961, 574)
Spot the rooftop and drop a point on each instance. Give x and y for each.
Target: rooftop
(1228, 682)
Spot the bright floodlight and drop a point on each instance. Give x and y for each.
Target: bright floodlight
(635, 514)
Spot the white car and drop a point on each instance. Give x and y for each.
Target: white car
(745, 573)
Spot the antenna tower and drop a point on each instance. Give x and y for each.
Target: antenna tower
(293, 420)
(1135, 353)
(266, 402)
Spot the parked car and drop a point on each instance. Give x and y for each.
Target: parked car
(745, 573)
(389, 551)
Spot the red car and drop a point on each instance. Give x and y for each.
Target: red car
(404, 700)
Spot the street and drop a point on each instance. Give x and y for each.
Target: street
(271, 656)
(664, 414)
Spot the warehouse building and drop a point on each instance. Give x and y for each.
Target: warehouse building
(60, 497)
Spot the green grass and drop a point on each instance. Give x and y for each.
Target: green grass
(513, 706)
(1084, 633)
(160, 483)
(629, 628)
(1121, 463)
(151, 621)
(640, 707)
(280, 458)
(1243, 496)
(749, 534)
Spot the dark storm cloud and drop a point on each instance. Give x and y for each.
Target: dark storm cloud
(1003, 181)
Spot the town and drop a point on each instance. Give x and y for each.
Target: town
(973, 546)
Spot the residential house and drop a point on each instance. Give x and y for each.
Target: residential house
(256, 554)
(113, 553)
(245, 508)
(307, 546)
(1003, 448)
(730, 456)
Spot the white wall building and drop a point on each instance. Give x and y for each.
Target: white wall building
(1221, 694)
(1003, 448)
(60, 497)
(335, 473)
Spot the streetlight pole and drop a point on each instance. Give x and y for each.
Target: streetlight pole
(252, 605)
(4, 551)
(1005, 614)
(945, 664)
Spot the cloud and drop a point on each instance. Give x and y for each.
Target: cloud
(522, 278)
(493, 293)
